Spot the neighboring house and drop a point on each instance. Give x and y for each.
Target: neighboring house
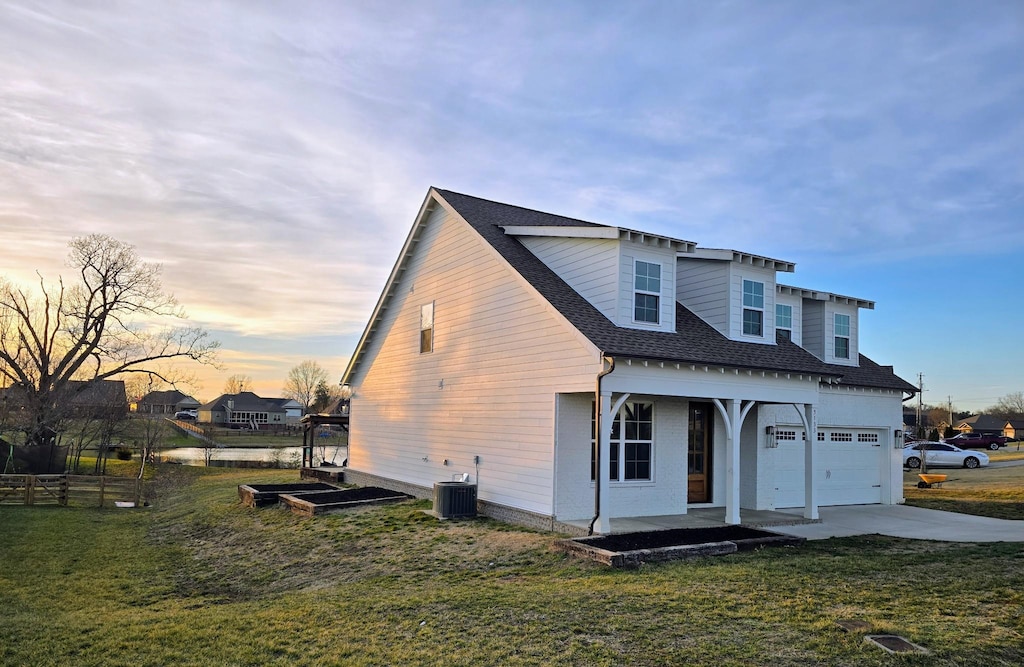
(1014, 428)
(99, 399)
(245, 409)
(78, 399)
(501, 328)
(166, 402)
(984, 424)
(292, 409)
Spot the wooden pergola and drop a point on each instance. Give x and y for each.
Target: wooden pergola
(310, 425)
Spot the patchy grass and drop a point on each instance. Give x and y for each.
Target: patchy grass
(1012, 452)
(198, 579)
(994, 492)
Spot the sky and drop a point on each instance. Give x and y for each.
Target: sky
(272, 156)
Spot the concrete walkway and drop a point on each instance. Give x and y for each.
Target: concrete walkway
(906, 521)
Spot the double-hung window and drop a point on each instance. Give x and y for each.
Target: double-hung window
(842, 336)
(427, 327)
(646, 292)
(753, 308)
(784, 320)
(632, 443)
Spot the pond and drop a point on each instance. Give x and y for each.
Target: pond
(283, 457)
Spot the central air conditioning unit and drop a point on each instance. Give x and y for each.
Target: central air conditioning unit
(454, 500)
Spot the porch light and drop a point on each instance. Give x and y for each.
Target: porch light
(770, 442)
(897, 439)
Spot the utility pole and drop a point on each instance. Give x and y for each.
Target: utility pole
(950, 399)
(920, 429)
(920, 400)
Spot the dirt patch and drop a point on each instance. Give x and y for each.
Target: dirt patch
(676, 537)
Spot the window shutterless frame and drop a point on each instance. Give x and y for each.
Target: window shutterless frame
(646, 292)
(841, 349)
(753, 308)
(427, 328)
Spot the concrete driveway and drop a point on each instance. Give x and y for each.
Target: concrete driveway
(906, 521)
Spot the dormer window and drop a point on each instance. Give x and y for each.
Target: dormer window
(753, 308)
(842, 336)
(647, 292)
(784, 320)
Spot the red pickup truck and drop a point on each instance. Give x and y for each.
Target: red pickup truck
(969, 440)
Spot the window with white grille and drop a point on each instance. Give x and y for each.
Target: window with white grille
(785, 435)
(867, 437)
(842, 437)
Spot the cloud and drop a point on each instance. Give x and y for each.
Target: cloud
(273, 156)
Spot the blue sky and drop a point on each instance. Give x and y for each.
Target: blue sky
(272, 156)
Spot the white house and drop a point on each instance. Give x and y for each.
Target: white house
(501, 328)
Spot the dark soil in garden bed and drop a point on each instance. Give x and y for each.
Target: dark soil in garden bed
(351, 495)
(678, 536)
(291, 488)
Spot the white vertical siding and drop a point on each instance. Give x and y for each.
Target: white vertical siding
(501, 354)
(739, 273)
(703, 287)
(590, 266)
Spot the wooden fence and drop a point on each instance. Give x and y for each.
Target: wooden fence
(69, 490)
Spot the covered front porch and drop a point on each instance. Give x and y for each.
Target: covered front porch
(732, 396)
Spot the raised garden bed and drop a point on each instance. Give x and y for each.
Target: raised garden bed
(261, 495)
(632, 549)
(320, 502)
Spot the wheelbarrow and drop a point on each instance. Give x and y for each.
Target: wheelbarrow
(929, 480)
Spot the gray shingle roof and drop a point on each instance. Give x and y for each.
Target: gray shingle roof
(694, 342)
(243, 402)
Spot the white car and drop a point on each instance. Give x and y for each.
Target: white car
(941, 454)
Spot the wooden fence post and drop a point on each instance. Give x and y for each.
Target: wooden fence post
(138, 493)
(103, 479)
(30, 495)
(63, 497)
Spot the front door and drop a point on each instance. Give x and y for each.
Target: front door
(698, 454)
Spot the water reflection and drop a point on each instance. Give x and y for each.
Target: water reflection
(282, 457)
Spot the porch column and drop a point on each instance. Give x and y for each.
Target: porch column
(810, 419)
(604, 457)
(732, 463)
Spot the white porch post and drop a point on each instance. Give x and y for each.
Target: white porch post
(810, 419)
(732, 465)
(609, 412)
(604, 525)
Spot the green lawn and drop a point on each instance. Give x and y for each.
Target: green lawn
(995, 492)
(196, 579)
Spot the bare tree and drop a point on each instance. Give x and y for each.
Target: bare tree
(238, 383)
(113, 320)
(303, 381)
(1008, 407)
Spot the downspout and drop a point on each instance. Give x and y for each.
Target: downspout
(597, 440)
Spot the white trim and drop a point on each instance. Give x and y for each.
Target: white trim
(560, 231)
(817, 295)
(595, 231)
(750, 259)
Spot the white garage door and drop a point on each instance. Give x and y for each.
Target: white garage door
(849, 466)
